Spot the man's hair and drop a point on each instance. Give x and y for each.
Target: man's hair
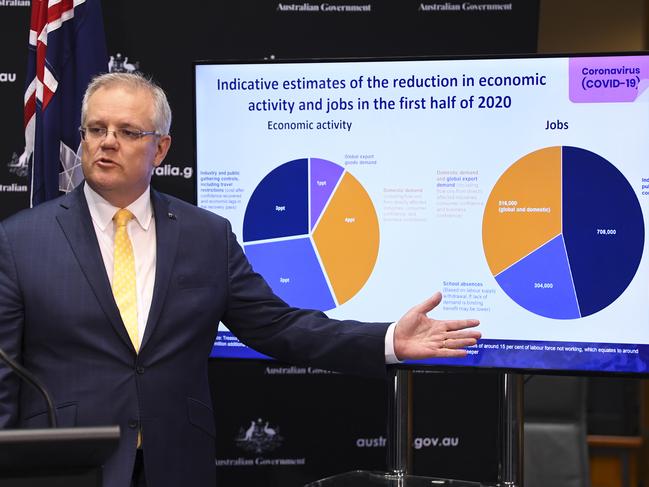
(161, 109)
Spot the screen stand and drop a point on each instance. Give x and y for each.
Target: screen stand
(399, 451)
(510, 469)
(399, 454)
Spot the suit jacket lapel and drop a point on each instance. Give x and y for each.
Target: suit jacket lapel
(76, 223)
(167, 229)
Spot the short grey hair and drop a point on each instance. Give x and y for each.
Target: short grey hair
(161, 108)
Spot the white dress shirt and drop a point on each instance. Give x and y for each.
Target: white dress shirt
(141, 231)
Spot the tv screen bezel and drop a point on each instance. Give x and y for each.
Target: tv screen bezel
(415, 365)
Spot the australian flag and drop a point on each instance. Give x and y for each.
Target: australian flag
(67, 48)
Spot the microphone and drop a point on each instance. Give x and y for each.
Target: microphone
(27, 376)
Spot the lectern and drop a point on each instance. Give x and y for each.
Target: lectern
(65, 457)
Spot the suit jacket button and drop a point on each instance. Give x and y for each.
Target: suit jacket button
(132, 423)
(139, 369)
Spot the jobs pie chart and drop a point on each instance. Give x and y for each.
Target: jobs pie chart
(563, 232)
(311, 230)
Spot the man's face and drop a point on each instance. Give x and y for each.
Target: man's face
(116, 168)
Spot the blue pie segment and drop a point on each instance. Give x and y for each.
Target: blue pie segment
(292, 270)
(279, 205)
(603, 228)
(541, 282)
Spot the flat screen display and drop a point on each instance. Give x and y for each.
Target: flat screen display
(518, 187)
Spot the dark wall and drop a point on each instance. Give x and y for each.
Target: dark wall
(325, 424)
(13, 179)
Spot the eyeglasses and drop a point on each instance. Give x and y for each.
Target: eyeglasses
(94, 134)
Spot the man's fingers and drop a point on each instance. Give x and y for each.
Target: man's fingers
(455, 343)
(417, 336)
(453, 325)
(463, 333)
(430, 304)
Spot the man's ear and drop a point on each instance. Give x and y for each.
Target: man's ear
(164, 143)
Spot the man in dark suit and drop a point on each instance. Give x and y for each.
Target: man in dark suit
(118, 319)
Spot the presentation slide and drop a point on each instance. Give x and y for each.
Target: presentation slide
(518, 187)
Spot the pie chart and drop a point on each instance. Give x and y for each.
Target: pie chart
(563, 232)
(311, 230)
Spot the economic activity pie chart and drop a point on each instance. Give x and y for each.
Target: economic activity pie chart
(311, 230)
(563, 232)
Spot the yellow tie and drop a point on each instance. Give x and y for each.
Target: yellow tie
(124, 288)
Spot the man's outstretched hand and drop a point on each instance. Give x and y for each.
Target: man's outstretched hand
(417, 336)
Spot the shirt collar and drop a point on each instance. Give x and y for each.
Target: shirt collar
(102, 212)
